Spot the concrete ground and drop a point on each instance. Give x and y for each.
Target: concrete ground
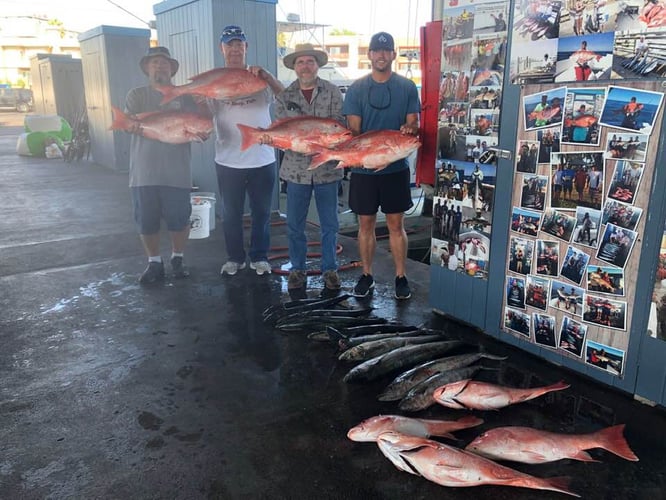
(113, 391)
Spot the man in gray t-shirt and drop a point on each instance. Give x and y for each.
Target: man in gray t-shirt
(160, 176)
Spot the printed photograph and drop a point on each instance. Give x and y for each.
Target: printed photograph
(474, 250)
(627, 147)
(535, 20)
(631, 109)
(487, 97)
(454, 85)
(585, 57)
(544, 330)
(533, 62)
(605, 312)
(605, 279)
(549, 142)
(588, 222)
(520, 255)
(574, 264)
(517, 321)
(536, 294)
(484, 122)
(458, 23)
(489, 50)
(635, 50)
(515, 292)
(621, 214)
(444, 254)
(544, 109)
(582, 110)
(447, 218)
(525, 221)
(587, 18)
(548, 257)
(572, 336)
(533, 191)
(625, 181)
(527, 157)
(449, 180)
(604, 357)
(576, 180)
(491, 17)
(559, 224)
(616, 245)
(566, 297)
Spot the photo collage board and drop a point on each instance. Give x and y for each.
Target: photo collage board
(587, 40)
(582, 179)
(474, 48)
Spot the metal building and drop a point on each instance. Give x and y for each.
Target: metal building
(109, 57)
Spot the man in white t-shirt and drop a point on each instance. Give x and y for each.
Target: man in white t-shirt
(251, 171)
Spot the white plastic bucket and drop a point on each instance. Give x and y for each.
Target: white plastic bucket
(200, 220)
(199, 197)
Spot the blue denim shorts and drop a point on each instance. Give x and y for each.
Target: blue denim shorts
(154, 203)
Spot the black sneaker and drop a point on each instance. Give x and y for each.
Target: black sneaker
(364, 286)
(153, 273)
(402, 290)
(178, 270)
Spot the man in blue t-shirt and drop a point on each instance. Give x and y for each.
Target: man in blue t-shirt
(382, 100)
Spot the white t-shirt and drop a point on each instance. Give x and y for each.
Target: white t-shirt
(453, 262)
(253, 111)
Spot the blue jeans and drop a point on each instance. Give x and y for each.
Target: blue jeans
(258, 183)
(298, 202)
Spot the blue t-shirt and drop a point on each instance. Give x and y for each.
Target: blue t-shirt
(382, 106)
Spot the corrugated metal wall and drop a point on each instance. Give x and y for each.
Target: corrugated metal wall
(110, 61)
(191, 30)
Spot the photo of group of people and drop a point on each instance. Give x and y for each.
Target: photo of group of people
(586, 40)
(474, 48)
(579, 166)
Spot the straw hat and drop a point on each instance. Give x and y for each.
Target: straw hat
(305, 49)
(158, 52)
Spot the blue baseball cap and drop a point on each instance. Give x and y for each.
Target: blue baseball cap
(232, 33)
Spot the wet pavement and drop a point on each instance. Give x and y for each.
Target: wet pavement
(113, 391)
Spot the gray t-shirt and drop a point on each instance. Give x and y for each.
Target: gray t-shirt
(155, 163)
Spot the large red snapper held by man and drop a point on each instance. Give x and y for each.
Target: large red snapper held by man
(375, 150)
(301, 134)
(533, 446)
(450, 466)
(371, 428)
(172, 127)
(474, 395)
(218, 83)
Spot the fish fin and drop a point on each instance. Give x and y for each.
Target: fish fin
(469, 421)
(561, 484)
(318, 159)
(203, 75)
(248, 135)
(612, 439)
(583, 456)
(169, 93)
(120, 121)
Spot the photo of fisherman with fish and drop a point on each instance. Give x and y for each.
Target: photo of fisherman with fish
(621, 214)
(604, 356)
(515, 292)
(626, 180)
(517, 321)
(543, 109)
(585, 58)
(575, 179)
(566, 297)
(630, 109)
(544, 330)
(631, 147)
(538, 289)
(582, 110)
(572, 336)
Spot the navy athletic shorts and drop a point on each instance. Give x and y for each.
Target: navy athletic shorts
(369, 192)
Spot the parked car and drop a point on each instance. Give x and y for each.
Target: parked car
(16, 99)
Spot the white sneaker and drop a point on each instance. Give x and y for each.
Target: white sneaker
(261, 266)
(232, 267)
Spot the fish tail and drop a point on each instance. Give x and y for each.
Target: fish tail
(560, 483)
(612, 439)
(120, 120)
(169, 93)
(248, 135)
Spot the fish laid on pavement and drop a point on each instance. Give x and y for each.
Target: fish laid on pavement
(347, 343)
(450, 466)
(401, 385)
(316, 322)
(371, 428)
(399, 358)
(473, 395)
(420, 396)
(171, 127)
(375, 150)
(532, 446)
(374, 348)
(218, 83)
(300, 134)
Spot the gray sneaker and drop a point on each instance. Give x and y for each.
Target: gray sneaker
(332, 280)
(296, 280)
(232, 267)
(261, 267)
